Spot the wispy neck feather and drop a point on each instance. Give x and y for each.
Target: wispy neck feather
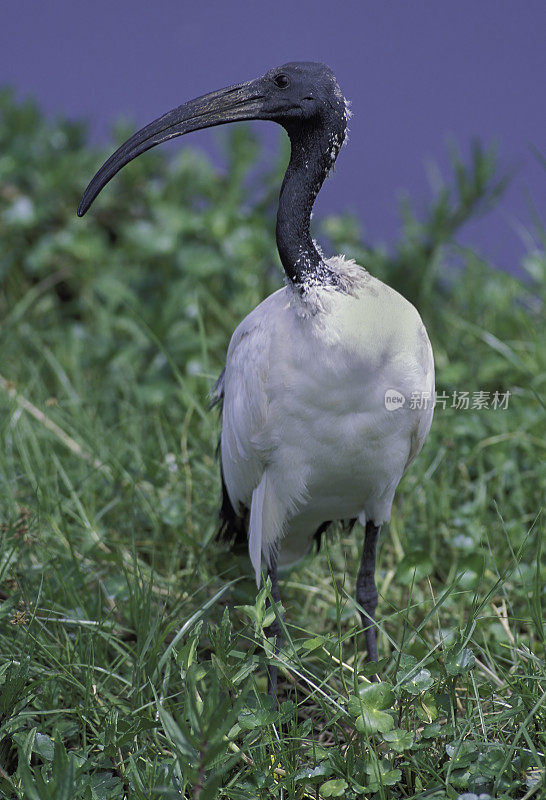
(315, 147)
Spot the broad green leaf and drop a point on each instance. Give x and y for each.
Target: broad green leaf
(418, 682)
(399, 740)
(459, 661)
(373, 667)
(322, 770)
(313, 644)
(414, 567)
(258, 713)
(431, 731)
(250, 611)
(30, 787)
(491, 762)
(371, 722)
(26, 745)
(376, 695)
(461, 753)
(426, 708)
(244, 672)
(269, 617)
(257, 718)
(391, 777)
(175, 736)
(381, 774)
(44, 746)
(370, 706)
(65, 764)
(411, 678)
(335, 788)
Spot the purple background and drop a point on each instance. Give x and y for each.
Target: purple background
(419, 73)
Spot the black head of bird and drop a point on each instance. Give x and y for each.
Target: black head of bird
(305, 98)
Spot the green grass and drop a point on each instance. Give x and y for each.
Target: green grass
(132, 653)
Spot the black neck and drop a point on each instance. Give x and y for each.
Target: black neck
(314, 150)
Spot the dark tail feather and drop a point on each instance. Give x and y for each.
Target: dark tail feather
(321, 530)
(233, 528)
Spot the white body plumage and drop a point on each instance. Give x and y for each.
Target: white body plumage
(306, 434)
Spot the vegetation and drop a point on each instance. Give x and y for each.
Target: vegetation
(132, 647)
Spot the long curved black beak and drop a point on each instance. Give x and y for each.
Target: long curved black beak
(233, 104)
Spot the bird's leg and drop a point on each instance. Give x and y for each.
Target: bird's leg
(366, 590)
(274, 629)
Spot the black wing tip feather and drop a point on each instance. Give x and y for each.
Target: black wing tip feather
(216, 394)
(321, 530)
(233, 527)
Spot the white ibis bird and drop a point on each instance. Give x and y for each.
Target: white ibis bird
(308, 433)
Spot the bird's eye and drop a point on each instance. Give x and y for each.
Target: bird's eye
(282, 81)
